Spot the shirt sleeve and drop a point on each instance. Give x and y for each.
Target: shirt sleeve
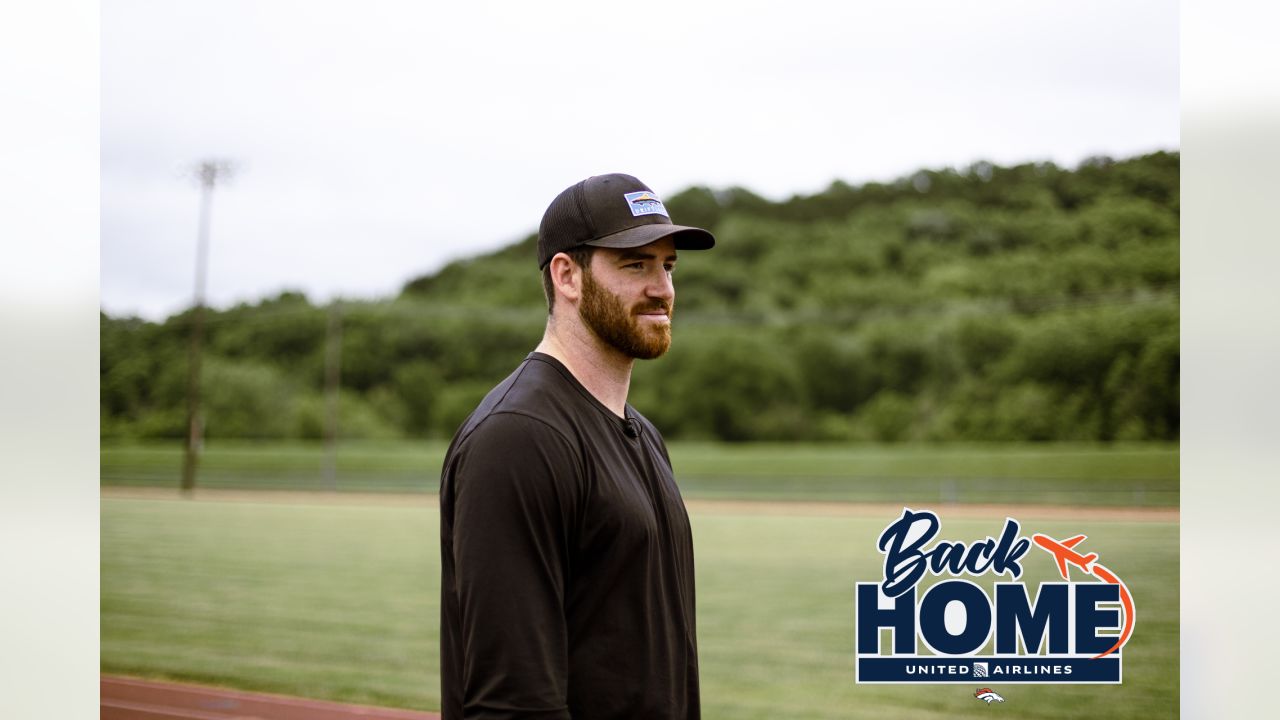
(513, 506)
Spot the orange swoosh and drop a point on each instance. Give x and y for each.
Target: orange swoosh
(1126, 600)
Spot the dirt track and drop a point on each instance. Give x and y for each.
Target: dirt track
(957, 510)
(739, 507)
(133, 699)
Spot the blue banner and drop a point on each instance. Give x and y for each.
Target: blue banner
(966, 670)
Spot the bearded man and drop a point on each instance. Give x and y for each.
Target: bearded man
(566, 554)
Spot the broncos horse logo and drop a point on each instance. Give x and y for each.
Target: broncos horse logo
(988, 695)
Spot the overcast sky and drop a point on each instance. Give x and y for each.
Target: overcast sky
(375, 141)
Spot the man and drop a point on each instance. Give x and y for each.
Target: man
(567, 560)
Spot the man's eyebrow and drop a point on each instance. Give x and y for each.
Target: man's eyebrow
(634, 254)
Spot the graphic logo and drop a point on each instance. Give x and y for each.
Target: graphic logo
(988, 695)
(645, 203)
(1071, 632)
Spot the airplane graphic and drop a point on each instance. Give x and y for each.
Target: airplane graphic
(1064, 553)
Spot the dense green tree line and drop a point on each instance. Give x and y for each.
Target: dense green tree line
(988, 303)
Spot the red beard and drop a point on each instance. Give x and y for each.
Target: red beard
(610, 320)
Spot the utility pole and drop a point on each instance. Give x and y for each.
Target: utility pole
(332, 374)
(209, 173)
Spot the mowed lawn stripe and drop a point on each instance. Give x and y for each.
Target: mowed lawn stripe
(342, 602)
(1077, 474)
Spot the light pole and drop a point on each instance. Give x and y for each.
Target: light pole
(209, 173)
(332, 375)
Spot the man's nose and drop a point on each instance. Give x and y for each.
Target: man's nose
(661, 286)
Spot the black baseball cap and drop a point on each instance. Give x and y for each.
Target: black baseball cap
(613, 211)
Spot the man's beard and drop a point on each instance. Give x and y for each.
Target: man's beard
(610, 320)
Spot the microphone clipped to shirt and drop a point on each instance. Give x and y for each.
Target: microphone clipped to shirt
(630, 429)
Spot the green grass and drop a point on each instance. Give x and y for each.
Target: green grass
(1114, 475)
(365, 466)
(341, 602)
(332, 601)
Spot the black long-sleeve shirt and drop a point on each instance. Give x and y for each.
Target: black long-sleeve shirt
(567, 560)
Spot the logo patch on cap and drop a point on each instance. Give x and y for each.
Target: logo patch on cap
(645, 203)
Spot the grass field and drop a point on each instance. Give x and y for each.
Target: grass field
(340, 601)
(1113, 475)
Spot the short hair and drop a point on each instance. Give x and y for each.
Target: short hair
(581, 256)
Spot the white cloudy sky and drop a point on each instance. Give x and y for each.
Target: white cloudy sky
(377, 140)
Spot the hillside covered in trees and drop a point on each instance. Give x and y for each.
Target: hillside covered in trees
(986, 303)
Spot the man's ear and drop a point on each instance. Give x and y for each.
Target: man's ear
(566, 276)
